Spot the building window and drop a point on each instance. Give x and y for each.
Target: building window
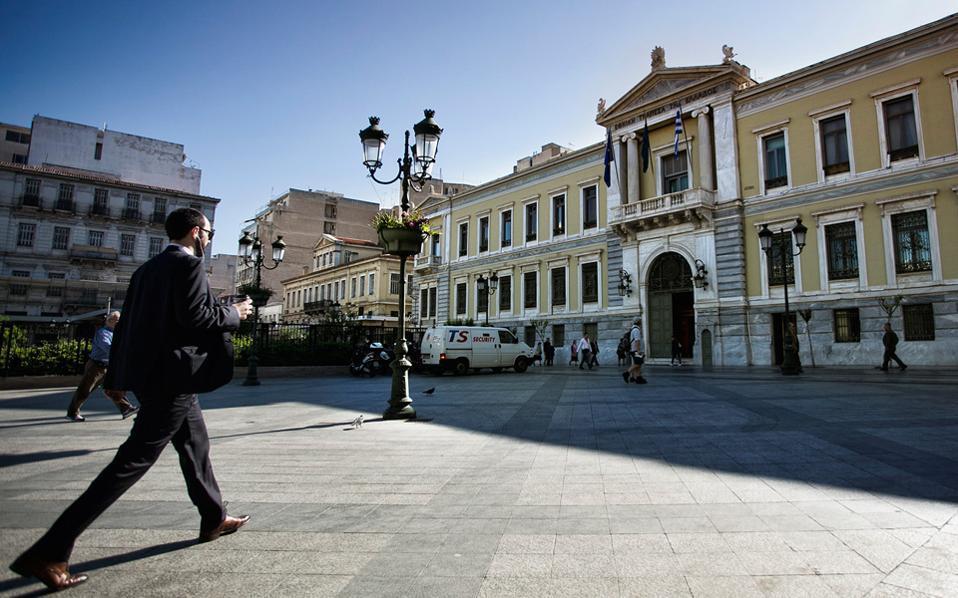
(54, 290)
(432, 302)
(675, 173)
(530, 295)
(132, 211)
(20, 274)
(393, 283)
(460, 298)
(901, 134)
(423, 303)
(156, 246)
(912, 246)
(159, 209)
(372, 283)
(919, 322)
(362, 286)
(65, 197)
(532, 221)
(18, 137)
(98, 151)
(95, 238)
(590, 207)
(32, 189)
(463, 238)
(25, 234)
(61, 237)
(127, 243)
(590, 282)
(505, 294)
(506, 237)
(482, 302)
(558, 215)
(781, 243)
(19, 159)
(329, 228)
(847, 326)
(557, 280)
(834, 145)
(529, 335)
(558, 335)
(435, 246)
(841, 245)
(101, 201)
(776, 167)
(484, 234)
(329, 210)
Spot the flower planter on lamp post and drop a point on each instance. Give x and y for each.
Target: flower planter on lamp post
(402, 236)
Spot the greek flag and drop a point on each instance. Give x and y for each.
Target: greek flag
(678, 130)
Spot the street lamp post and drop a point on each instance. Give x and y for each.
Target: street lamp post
(791, 364)
(414, 171)
(251, 252)
(487, 286)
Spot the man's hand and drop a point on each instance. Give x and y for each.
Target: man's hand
(116, 395)
(244, 308)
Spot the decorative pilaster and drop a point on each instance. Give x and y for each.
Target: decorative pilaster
(706, 179)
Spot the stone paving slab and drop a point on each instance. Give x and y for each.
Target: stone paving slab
(550, 483)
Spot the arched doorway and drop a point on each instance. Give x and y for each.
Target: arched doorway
(670, 310)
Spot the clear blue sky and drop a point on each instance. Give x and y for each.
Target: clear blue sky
(271, 95)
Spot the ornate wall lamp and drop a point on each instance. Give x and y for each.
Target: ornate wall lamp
(700, 279)
(625, 283)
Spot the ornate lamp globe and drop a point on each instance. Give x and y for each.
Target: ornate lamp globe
(373, 139)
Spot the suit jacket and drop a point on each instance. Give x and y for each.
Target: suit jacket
(174, 336)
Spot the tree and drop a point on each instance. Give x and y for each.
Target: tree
(540, 327)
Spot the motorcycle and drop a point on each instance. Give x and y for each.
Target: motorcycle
(371, 361)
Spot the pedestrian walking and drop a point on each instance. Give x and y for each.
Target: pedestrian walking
(574, 353)
(622, 350)
(595, 353)
(585, 352)
(676, 351)
(171, 344)
(95, 370)
(634, 373)
(890, 341)
(550, 351)
(537, 354)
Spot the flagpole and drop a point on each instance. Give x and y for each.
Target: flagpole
(688, 151)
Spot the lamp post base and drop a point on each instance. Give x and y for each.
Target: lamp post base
(251, 382)
(791, 365)
(400, 405)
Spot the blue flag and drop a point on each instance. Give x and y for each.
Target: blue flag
(678, 130)
(609, 158)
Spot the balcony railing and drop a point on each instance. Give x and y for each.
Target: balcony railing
(158, 218)
(102, 211)
(427, 261)
(318, 307)
(92, 253)
(690, 205)
(65, 205)
(30, 201)
(131, 214)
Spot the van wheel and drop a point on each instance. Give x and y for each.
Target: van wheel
(521, 364)
(461, 368)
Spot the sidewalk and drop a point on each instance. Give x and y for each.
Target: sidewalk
(556, 482)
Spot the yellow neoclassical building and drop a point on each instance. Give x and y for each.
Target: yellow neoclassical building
(861, 147)
(543, 232)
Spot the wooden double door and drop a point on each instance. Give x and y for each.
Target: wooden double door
(671, 311)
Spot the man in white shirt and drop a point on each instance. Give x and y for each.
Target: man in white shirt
(634, 373)
(585, 352)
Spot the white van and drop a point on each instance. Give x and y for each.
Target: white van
(463, 348)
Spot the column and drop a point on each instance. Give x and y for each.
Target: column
(633, 160)
(706, 179)
(621, 170)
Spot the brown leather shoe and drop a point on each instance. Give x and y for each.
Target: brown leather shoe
(229, 525)
(55, 576)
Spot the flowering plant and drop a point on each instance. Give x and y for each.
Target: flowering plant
(406, 220)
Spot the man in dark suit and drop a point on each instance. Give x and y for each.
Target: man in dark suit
(171, 343)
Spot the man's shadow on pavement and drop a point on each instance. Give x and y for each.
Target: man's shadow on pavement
(110, 561)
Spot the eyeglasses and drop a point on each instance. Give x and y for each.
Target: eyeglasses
(209, 232)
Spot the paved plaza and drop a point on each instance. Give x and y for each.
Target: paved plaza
(555, 482)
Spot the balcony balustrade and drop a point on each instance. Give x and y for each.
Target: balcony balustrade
(693, 206)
